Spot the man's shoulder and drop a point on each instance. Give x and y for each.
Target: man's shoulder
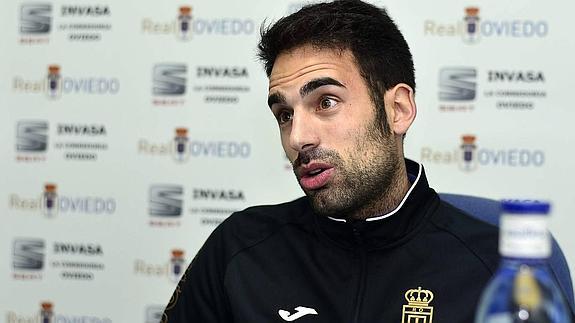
(454, 219)
(479, 237)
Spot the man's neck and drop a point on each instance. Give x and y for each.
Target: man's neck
(391, 198)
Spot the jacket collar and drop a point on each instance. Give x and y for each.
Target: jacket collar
(387, 229)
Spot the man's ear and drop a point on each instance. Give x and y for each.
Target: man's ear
(400, 108)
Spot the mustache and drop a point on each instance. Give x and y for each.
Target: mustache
(306, 156)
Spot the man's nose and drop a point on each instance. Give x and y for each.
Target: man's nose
(304, 133)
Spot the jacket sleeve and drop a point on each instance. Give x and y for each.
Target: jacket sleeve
(200, 296)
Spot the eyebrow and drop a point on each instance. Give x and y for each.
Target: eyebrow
(276, 98)
(316, 83)
(304, 90)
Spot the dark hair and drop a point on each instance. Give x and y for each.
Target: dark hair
(377, 45)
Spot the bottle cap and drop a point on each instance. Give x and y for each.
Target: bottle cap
(525, 206)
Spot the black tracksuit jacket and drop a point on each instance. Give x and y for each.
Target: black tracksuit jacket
(284, 263)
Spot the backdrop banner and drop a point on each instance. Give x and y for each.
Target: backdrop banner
(132, 129)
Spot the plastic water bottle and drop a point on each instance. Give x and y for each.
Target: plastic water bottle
(522, 289)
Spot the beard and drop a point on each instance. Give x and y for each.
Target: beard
(363, 181)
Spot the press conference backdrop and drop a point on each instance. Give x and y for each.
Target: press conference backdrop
(131, 129)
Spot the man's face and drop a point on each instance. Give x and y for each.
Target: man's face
(342, 158)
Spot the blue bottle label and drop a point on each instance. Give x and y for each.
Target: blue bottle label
(524, 236)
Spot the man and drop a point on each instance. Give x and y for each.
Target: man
(370, 242)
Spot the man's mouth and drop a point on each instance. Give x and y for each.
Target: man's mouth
(315, 171)
(315, 175)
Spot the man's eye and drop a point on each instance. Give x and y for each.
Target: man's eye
(284, 116)
(327, 103)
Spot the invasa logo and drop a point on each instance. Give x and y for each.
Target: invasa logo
(35, 18)
(81, 142)
(77, 260)
(85, 22)
(457, 84)
(215, 204)
(28, 258)
(169, 84)
(169, 79)
(31, 140)
(166, 200)
(31, 136)
(222, 85)
(85, 11)
(457, 88)
(461, 87)
(165, 205)
(35, 23)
